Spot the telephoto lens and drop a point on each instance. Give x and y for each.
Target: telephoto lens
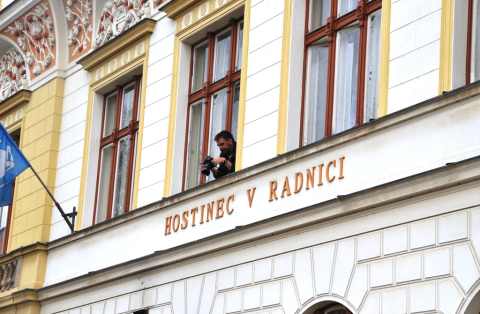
(207, 165)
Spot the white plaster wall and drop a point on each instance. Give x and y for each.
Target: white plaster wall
(263, 81)
(414, 52)
(70, 150)
(157, 109)
(383, 271)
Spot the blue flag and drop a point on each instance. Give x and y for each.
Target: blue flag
(12, 163)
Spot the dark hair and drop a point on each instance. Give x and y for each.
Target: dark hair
(225, 135)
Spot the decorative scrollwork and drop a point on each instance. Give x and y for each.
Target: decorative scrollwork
(77, 13)
(13, 73)
(118, 16)
(35, 36)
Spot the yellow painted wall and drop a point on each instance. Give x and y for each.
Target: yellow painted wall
(40, 133)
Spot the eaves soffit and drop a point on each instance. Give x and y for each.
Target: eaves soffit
(116, 45)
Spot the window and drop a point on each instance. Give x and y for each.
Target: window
(473, 42)
(117, 151)
(214, 93)
(342, 60)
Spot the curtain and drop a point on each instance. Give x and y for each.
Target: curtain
(373, 71)
(110, 114)
(316, 93)
(195, 144)
(200, 64)
(127, 107)
(222, 56)
(121, 176)
(347, 77)
(104, 184)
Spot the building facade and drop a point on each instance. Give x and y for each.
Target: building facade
(357, 183)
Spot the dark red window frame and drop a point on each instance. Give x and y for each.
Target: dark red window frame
(114, 139)
(210, 87)
(330, 29)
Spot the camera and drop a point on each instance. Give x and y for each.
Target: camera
(207, 165)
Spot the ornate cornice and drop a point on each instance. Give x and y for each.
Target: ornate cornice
(143, 28)
(12, 102)
(175, 8)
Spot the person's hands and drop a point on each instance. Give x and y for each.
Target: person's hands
(218, 160)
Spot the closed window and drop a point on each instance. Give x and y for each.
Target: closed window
(341, 67)
(213, 99)
(117, 151)
(473, 42)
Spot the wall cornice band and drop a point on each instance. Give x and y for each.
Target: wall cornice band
(104, 52)
(14, 101)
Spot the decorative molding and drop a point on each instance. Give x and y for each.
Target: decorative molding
(13, 73)
(14, 101)
(175, 8)
(119, 16)
(78, 14)
(145, 27)
(157, 3)
(35, 35)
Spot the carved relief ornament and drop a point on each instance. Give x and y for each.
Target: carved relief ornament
(13, 73)
(118, 16)
(78, 13)
(35, 35)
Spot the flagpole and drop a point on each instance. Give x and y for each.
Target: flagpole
(70, 225)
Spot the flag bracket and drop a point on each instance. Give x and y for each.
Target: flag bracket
(66, 217)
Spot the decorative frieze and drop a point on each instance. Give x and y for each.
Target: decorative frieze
(118, 16)
(35, 35)
(13, 73)
(78, 14)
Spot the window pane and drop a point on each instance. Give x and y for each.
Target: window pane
(477, 43)
(219, 117)
(222, 56)
(236, 98)
(240, 46)
(347, 75)
(200, 64)
(121, 176)
(104, 184)
(127, 106)
(373, 67)
(319, 13)
(110, 112)
(316, 101)
(345, 6)
(195, 136)
(3, 227)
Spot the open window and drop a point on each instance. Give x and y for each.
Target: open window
(342, 60)
(214, 92)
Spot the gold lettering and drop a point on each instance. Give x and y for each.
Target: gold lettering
(273, 188)
(286, 188)
(193, 212)
(232, 197)
(209, 212)
(320, 170)
(327, 172)
(310, 178)
(202, 210)
(298, 186)
(250, 196)
(176, 222)
(185, 221)
(168, 225)
(341, 168)
(219, 208)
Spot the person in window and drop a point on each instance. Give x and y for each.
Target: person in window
(226, 162)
